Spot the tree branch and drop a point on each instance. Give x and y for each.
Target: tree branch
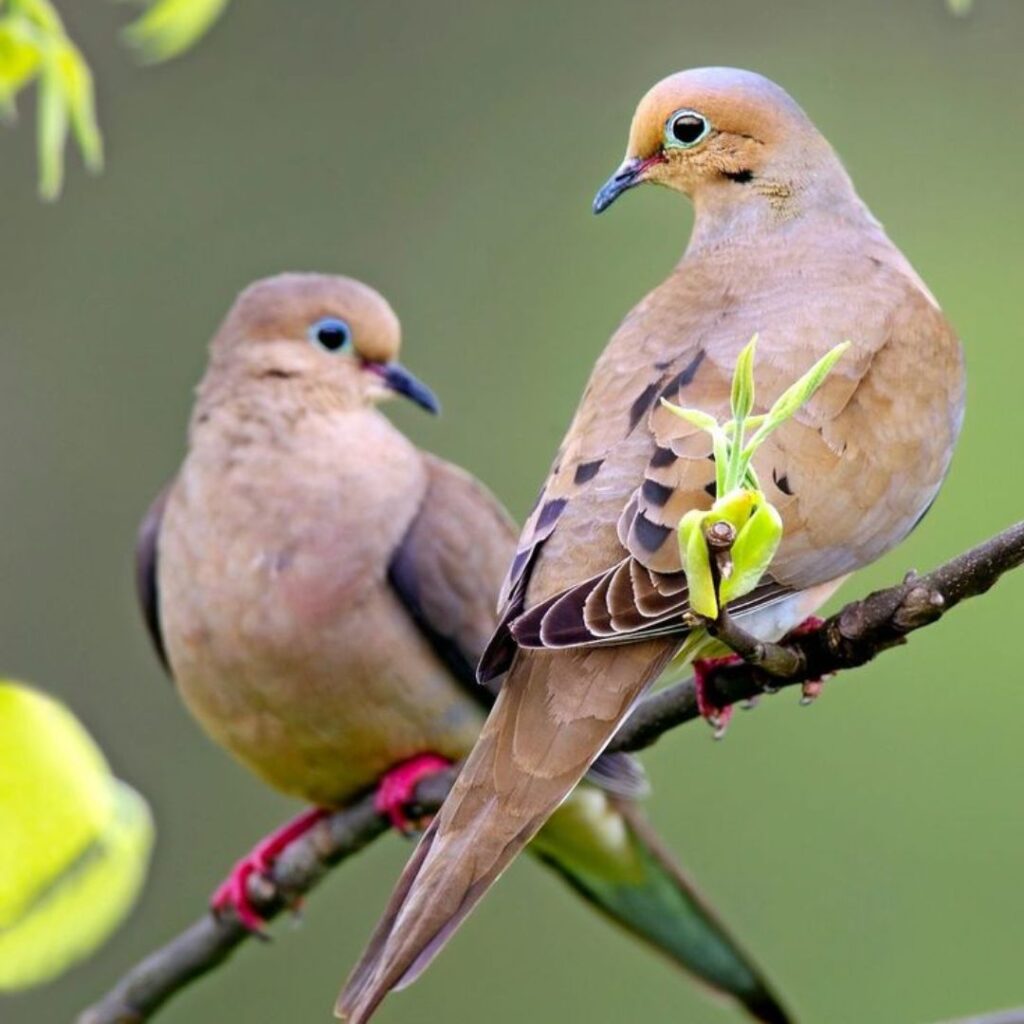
(852, 637)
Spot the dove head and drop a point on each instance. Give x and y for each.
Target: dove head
(332, 341)
(731, 140)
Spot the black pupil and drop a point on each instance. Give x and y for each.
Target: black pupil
(688, 128)
(332, 337)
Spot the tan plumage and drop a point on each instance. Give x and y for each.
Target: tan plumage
(283, 634)
(781, 246)
(322, 590)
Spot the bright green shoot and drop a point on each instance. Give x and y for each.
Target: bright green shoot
(755, 523)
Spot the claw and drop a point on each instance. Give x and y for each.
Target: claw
(717, 717)
(811, 689)
(397, 788)
(233, 893)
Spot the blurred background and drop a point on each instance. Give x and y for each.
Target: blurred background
(868, 848)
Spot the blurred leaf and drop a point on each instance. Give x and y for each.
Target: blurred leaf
(78, 92)
(74, 840)
(19, 59)
(169, 27)
(52, 128)
(961, 8)
(35, 47)
(40, 13)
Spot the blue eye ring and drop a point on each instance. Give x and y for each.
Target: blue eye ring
(331, 334)
(686, 128)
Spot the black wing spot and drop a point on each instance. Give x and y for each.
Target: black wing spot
(642, 404)
(740, 177)
(782, 482)
(711, 489)
(549, 514)
(519, 563)
(684, 377)
(655, 493)
(587, 471)
(662, 457)
(650, 535)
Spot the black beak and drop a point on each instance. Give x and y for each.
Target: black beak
(631, 173)
(402, 382)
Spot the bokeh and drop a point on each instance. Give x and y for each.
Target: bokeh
(868, 848)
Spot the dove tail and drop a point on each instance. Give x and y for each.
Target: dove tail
(555, 714)
(605, 848)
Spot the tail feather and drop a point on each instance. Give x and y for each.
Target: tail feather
(553, 717)
(607, 850)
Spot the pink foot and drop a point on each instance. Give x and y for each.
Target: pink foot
(397, 788)
(233, 892)
(811, 689)
(717, 717)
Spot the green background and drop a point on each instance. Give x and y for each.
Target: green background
(868, 848)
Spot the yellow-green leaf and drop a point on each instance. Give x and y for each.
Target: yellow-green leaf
(19, 59)
(74, 840)
(743, 382)
(697, 564)
(169, 27)
(51, 129)
(735, 507)
(752, 551)
(40, 13)
(78, 93)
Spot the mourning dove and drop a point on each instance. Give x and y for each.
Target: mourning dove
(592, 606)
(322, 590)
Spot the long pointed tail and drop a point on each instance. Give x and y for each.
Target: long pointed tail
(554, 716)
(607, 850)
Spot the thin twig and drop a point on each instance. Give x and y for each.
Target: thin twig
(850, 638)
(999, 1017)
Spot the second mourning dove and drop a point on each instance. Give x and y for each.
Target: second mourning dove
(781, 246)
(322, 590)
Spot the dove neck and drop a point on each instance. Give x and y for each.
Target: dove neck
(772, 204)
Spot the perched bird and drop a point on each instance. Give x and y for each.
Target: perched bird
(322, 590)
(592, 606)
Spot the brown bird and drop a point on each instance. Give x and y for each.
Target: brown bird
(781, 246)
(322, 590)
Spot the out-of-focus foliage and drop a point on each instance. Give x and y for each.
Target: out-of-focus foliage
(169, 27)
(35, 48)
(74, 840)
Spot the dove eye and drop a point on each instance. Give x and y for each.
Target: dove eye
(685, 128)
(330, 334)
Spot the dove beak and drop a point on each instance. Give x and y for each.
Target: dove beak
(632, 172)
(399, 380)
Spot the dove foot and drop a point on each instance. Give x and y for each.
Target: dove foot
(396, 789)
(811, 689)
(717, 717)
(233, 892)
